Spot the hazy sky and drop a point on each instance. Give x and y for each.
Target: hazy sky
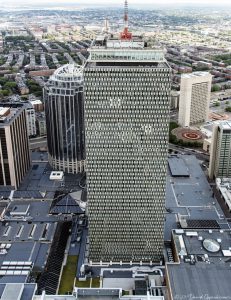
(116, 2)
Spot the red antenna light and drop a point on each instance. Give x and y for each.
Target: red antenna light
(126, 35)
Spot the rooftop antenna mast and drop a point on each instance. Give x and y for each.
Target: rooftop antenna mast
(126, 35)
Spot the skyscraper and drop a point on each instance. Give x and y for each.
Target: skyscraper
(64, 107)
(14, 144)
(195, 90)
(127, 98)
(220, 157)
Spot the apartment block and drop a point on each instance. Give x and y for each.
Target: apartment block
(195, 91)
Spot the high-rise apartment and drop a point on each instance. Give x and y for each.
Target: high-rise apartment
(220, 156)
(14, 144)
(195, 90)
(127, 99)
(30, 118)
(64, 107)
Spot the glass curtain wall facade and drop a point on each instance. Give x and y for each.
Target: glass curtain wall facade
(64, 107)
(127, 99)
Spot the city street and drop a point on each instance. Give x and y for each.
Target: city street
(39, 142)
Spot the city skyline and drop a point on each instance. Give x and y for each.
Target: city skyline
(113, 3)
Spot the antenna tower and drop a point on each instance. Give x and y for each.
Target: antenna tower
(126, 35)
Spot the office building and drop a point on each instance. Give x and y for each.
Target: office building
(195, 90)
(64, 108)
(14, 145)
(127, 99)
(220, 155)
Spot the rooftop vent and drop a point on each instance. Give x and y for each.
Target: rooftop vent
(211, 245)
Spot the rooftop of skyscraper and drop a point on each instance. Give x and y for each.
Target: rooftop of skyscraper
(9, 111)
(195, 74)
(225, 125)
(68, 73)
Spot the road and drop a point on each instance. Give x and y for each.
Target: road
(39, 142)
(181, 150)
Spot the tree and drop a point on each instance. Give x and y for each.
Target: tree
(228, 109)
(215, 88)
(5, 92)
(3, 80)
(10, 85)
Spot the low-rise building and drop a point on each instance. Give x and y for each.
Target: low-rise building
(21, 85)
(201, 264)
(224, 187)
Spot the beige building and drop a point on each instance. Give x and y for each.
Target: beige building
(220, 156)
(195, 93)
(14, 144)
(175, 98)
(207, 145)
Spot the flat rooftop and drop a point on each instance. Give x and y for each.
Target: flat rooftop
(225, 125)
(199, 282)
(38, 210)
(178, 167)
(195, 74)
(10, 291)
(37, 183)
(26, 235)
(206, 246)
(8, 112)
(190, 199)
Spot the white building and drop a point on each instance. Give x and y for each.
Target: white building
(195, 93)
(224, 186)
(220, 157)
(30, 119)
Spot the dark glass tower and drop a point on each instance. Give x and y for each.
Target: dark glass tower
(64, 107)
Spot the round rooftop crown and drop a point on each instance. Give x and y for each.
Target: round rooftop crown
(211, 245)
(69, 72)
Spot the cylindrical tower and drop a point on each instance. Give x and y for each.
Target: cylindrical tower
(64, 107)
